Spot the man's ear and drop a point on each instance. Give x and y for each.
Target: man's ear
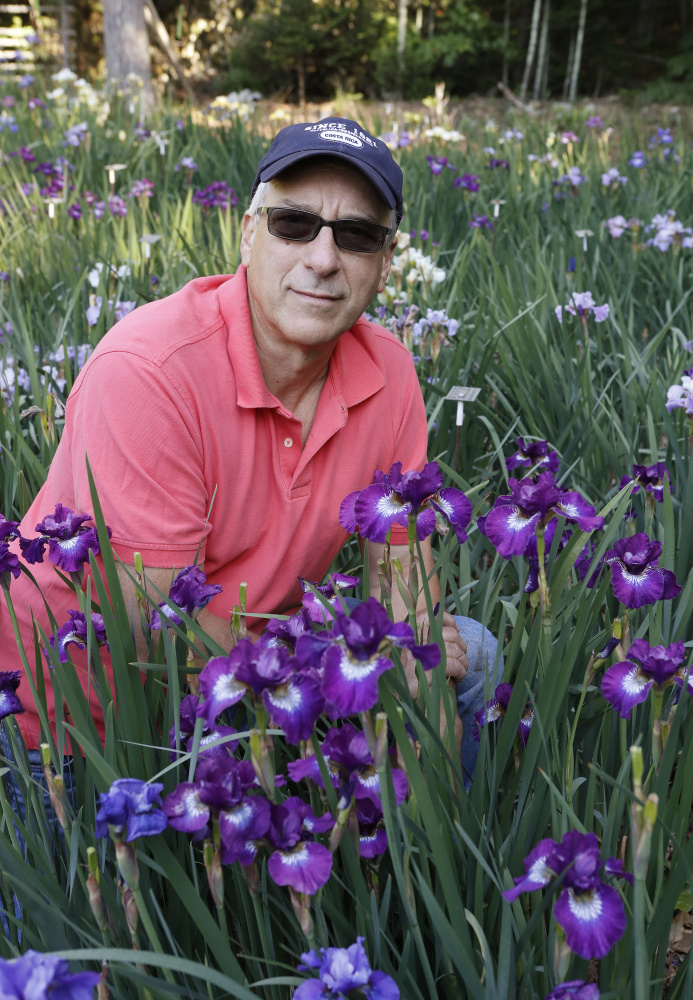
(248, 228)
(387, 261)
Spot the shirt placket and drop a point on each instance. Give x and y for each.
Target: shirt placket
(289, 444)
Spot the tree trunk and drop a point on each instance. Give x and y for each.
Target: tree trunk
(542, 57)
(531, 48)
(401, 39)
(127, 47)
(301, 73)
(578, 50)
(506, 42)
(569, 68)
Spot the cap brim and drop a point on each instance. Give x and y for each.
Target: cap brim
(373, 176)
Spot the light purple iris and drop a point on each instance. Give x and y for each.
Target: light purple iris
(393, 496)
(272, 678)
(533, 453)
(649, 476)
(637, 160)
(469, 182)
(344, 972)
(75, 631)
(69, 542)
(681, 396)
(628, 683)
(356, 652)
(495, 709)
(345, 751)
(589, 911)
(436, 164)
(44, 977)
(190, 592)
(215, 195)
(574, 989)
(480, 222)
(9, 699)
(297, 860)
(583, 305)
(635, 576)
(612, 179)
(315, 608)
(594, 121)
(513, 519)
(130, 807)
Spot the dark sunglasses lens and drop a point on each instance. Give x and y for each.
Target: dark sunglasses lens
(362, 237)
(291, 225)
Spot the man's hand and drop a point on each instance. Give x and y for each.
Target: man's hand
(456, 663)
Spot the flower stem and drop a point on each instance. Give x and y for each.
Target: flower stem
(150, 929)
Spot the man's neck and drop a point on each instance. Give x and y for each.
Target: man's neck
(293, 374)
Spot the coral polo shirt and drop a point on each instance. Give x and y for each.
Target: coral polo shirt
(170, 408)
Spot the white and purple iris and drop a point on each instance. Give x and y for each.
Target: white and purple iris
(393, 496)
(582, 304)
(533, 454)
(681, 396)
(349, 761)
(273, 679)
(344, 972)
(574, 989)
(298, 860)
(41, 977)
(514, 519)
(9, 700)
(190, 592)
(69, 541)
(494, 711)
(649, 476)
(354, 654)
(648, 668)
(635, 576)
(589, 911)
(130, 809)
(317, 611)
(75, 631)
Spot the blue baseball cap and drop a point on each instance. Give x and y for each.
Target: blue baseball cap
(344, 139)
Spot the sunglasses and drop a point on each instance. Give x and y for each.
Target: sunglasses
(302, 227)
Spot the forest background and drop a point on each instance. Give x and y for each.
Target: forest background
(298, 50)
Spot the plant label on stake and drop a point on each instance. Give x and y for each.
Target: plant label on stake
(461, 394)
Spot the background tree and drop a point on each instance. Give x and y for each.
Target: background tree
(126, 46)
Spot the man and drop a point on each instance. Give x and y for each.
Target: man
(266, 390)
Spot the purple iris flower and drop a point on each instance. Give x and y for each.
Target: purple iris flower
(356, 652)
(69, 542)
(75, 631)
(436, 164)
(594, 121)
(494, 163)
(635, 576)
(583, 565)
(9, 700)
(190, 592)
(480, 222)
(393, 496)
(649, 476)
(35, 976)
(298, 861)
(372, 833)
(470, 182)
(286, 632)
(215, 195)
(626, 684)
(117, 206)
(513, 519)
(143, 188)
(637, 160)
(583, 305)
(531, 453)
(272, 677)
(315, 608)
(344, 972)
(130, 805)
(589, 911)
(495, 709)
(348, 759)
(574, 989)
(8, 564)
(188, 718)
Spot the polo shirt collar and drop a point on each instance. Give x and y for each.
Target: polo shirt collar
(354, 373)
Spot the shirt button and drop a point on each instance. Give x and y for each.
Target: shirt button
(288, 442)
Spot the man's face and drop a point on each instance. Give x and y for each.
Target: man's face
(308, 294)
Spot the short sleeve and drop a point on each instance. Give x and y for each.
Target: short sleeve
(146, 455)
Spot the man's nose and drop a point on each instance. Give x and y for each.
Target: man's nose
(322, 254)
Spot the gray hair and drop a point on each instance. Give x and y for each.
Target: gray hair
(258, 201)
